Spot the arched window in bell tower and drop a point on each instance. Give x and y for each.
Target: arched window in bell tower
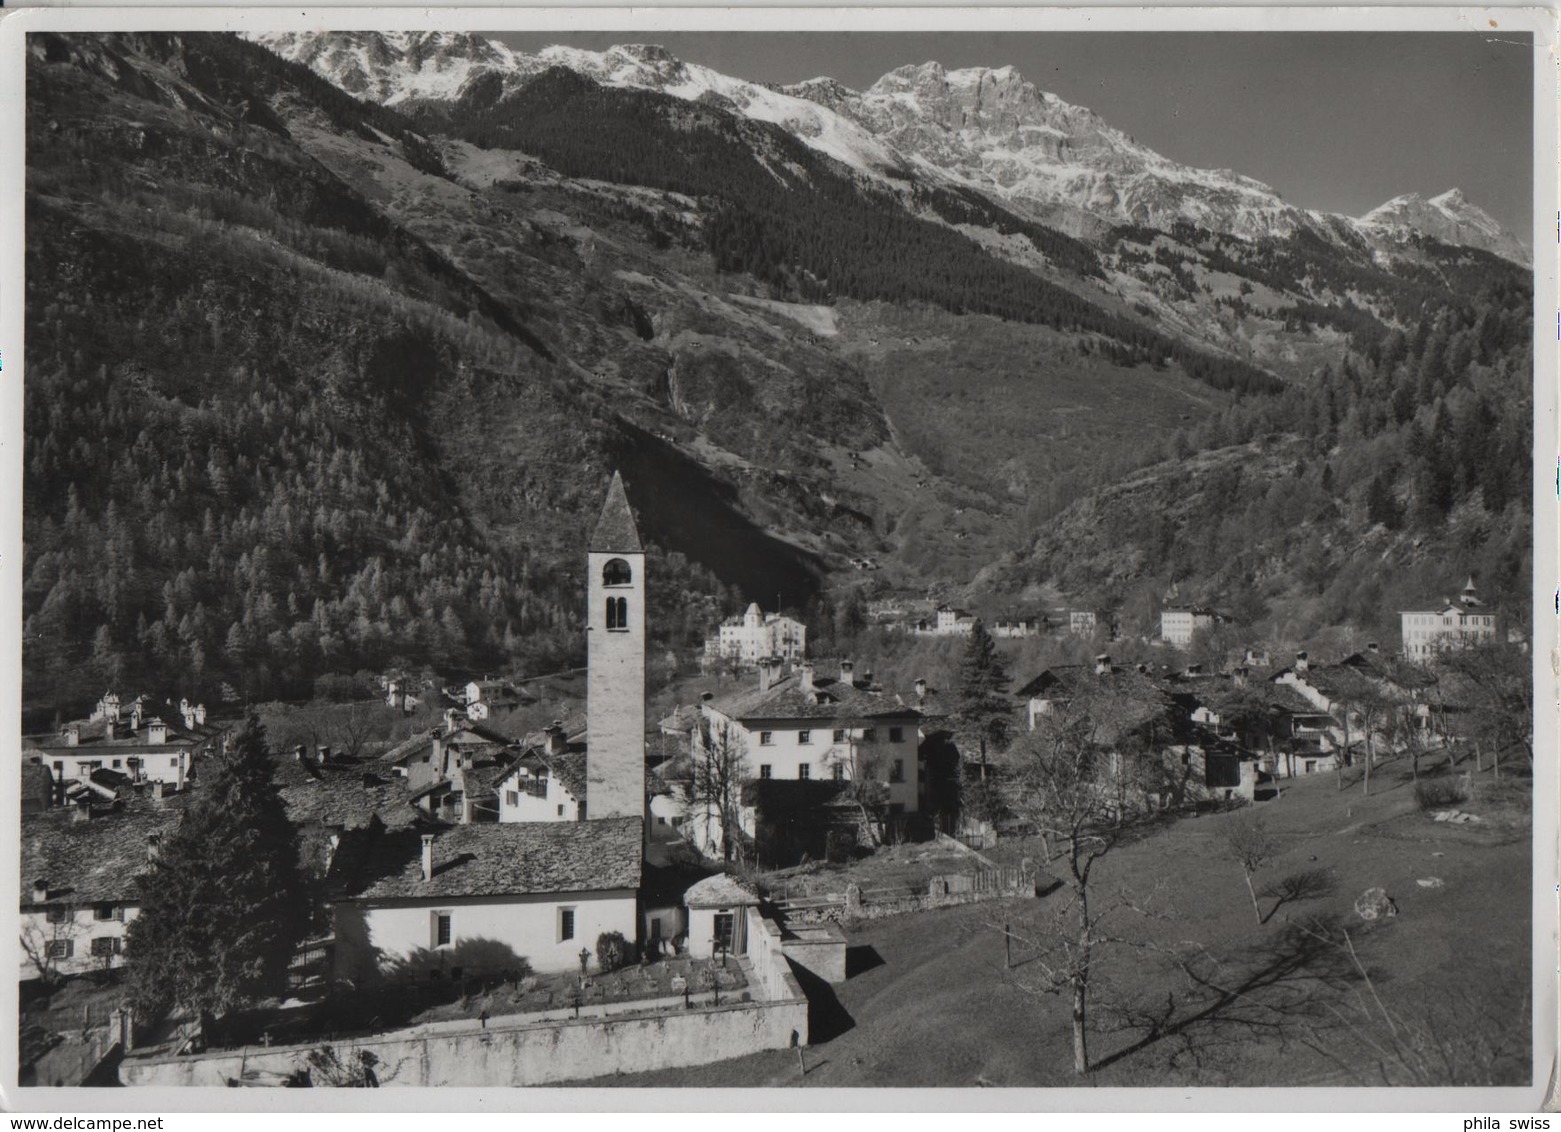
(617, 573)
(617, 613)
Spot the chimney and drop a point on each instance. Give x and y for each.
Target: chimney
(188, 715)
(200, 714)
(299, 753)
(325, 754)
(1301, 663)
(73, 735)
(921, 690)
(556, 739)
(83, 810)
(1103, 664)
(766, 674)
(450, 717)
(153, 846)
(847, 673)
(805, 678)
(428, 856)
(1371, 646)
(111, 729)
(40, 891)
(156, 731)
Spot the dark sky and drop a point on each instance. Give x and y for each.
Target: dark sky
(1335, 121)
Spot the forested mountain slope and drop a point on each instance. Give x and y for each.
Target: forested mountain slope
(314, 386)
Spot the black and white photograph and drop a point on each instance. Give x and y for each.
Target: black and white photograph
(846, 552)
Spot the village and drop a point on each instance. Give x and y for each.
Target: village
(508, 902)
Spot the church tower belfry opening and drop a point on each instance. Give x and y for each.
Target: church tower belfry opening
(615, 655)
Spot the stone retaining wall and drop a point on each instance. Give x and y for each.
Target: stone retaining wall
(533, 1052)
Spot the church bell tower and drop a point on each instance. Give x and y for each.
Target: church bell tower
(615, 655)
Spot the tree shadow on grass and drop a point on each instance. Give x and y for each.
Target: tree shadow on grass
(1307, 884)
(1275, 994)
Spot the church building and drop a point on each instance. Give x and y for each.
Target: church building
(535, 885)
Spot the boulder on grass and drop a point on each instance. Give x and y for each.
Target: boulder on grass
(1375, 904)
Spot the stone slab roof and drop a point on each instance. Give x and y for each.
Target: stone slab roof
(832, 699)
(490, 859)
(719, 891)
(87, 862)
(347, 796)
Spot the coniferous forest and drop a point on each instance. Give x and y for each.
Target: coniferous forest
(313, 392)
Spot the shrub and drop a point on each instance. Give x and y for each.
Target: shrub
(612, 951)
(840, 845)
(1435, 793)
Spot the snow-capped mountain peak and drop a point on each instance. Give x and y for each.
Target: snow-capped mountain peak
(1449, 217)
(981, 128)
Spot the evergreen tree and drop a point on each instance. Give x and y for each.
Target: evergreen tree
(227, 900)
(983, 708)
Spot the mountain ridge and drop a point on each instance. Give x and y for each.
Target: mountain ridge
(985, 128)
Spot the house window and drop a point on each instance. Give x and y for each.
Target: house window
(764, 770)
(804, 771)
(173, 761)
(618, 613)
(59, 769)
(560, 809)
(897, 772)
(839, 772)
(804, 738)
(566, 924)
(896, 734)
(580, 810)
(869, 734)
(106, 945)
(840, 734)
(1311, 765)
(104, 912)
(617, 573)
(61, 948)
(58, 915)
(443, 930)
(766, 738)
(512, 797)
(116, 764)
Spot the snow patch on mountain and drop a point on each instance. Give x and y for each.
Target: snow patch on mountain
(983, 128)
(1449, 217)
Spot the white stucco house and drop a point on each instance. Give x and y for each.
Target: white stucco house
(755, 634)
(416, 904)
(802, 727)
(547, 782)
(1453, 622)
(78, 871)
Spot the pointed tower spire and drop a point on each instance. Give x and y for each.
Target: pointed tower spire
(615, 531)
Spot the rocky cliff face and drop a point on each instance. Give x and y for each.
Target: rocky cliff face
(1451, 218)
(983, 128)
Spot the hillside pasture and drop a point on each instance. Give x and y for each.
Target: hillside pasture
(1203, 996)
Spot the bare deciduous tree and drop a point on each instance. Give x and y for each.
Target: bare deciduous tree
(720, 767)
(1075, 778)
(1251, 846)
(44, 945)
